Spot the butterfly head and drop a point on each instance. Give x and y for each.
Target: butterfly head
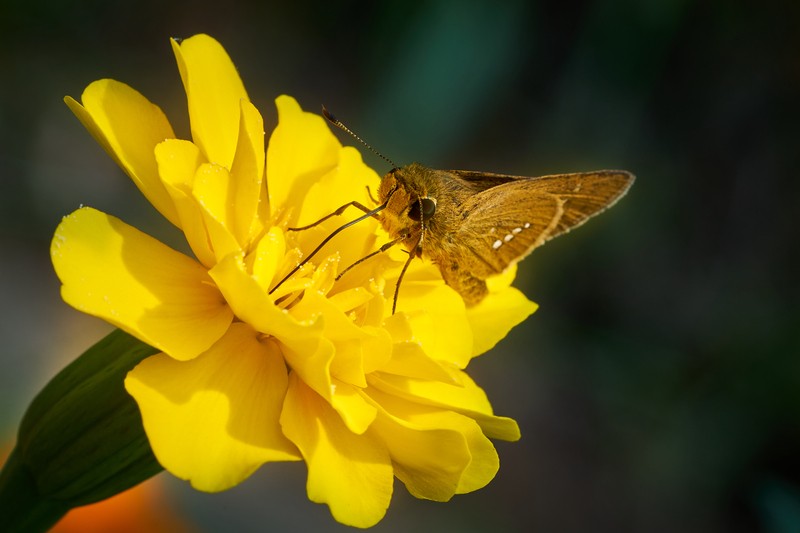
(409, 208)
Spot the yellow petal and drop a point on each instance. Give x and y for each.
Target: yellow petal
(128, 127)
(254, 306)
(213, 90)
(113, 271)
(429, 306)
(399, 328)
(300, 150)
(350, 299)
(466, 398)
(484, 461)
(304, 347)
(212, 191)
(314, 367)
(410, 360)
(346, 182)
(251, 205)
(352, 343)
(268, 255)
(436, 453)
(215, 419)
(356, 412)
(493, 318)
(351, 473)
(178, 162)
(376, 348)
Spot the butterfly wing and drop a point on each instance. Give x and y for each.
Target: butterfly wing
(503, 223)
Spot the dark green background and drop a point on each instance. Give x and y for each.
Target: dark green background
(657, 388)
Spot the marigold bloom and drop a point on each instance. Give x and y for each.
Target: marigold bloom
(318, 370)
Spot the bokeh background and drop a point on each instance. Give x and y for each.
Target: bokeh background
(658, 386)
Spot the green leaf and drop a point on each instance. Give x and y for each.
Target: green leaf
(80, 441)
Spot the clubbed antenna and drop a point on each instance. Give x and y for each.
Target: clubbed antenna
(336, 122)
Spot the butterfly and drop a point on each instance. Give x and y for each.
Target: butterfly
(474, 225)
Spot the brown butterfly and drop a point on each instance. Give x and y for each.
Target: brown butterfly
(474, 225)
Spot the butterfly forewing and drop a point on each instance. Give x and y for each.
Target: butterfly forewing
(505, 222)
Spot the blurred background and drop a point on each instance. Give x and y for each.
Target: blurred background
(658, 386)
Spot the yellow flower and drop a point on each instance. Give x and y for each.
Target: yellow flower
(318, 370)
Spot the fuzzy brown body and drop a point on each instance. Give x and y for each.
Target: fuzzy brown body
(480, 224)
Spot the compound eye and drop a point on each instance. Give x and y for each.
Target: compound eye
(428, 209)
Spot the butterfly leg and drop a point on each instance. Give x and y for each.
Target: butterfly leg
(338, 212)
(372, 254)
(368, 213)
(402, 274)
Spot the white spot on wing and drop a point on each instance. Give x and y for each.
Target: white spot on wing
(508, 237)
(527, 225)
(516, 230)
(497, 244)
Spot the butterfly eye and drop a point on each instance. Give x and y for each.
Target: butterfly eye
(428, 210)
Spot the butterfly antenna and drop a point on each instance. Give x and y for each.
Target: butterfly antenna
(338, 123)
